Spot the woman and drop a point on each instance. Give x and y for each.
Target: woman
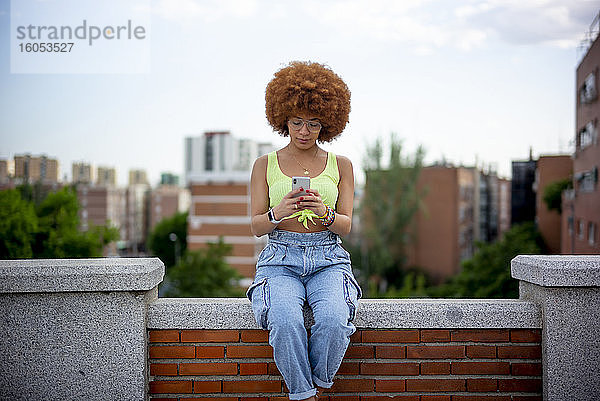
(303, 260)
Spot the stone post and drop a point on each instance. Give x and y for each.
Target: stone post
(75, 329)
(567, 290)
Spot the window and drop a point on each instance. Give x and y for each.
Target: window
(587, 135)
(587, 180)
(570, 225)
(581, 230)
(591, 233)
(587, 92)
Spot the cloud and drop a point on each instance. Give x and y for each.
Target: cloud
(560, 23)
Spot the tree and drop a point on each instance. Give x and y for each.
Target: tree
(17, 223)
(487, 273)
(50, 230)
(161, 245)
(553, 194)
(390, 200)
(203, 273)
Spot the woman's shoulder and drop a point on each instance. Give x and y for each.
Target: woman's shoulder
(343, 163)
(261, 162)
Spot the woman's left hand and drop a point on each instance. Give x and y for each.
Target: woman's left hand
(312, 201)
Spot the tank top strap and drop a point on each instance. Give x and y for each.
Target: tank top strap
(332, 167)
(272, 167)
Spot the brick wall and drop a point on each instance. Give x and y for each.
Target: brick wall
(406, 364)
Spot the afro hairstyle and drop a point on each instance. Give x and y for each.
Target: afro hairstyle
(308, 87)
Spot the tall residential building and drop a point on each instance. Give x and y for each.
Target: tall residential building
(504, 195)
(165, 201)
(581, 206)
(136, 224)
(100, 205)
(169, 179)
(221, 207)
(138, 177)
(220, 152)
(522, 192)
(106, 176)
(82, 173)
(6, 170)
(549, 170)
(36, 168)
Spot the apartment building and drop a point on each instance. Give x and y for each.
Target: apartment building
(82, 173)
(32, 169)
(581, 206)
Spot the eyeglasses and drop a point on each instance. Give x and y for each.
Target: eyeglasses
(296, 124)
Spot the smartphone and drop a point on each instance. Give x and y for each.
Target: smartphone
(301, 182)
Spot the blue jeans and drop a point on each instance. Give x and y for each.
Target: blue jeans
(294, 268)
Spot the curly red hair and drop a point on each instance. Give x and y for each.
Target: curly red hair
(308, 87)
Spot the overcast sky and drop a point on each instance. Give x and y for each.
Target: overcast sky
(469, 80)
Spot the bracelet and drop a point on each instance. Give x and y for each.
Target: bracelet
(325, 214)
(271, 217)
(329, 217)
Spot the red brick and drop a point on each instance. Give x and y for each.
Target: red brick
(388, 398)
(526, 336)
(208, 369)
(342, 398)
(272, 369)
(163, 336)
(432, 385)
(272, 399)
(389, 369)
(356, 337)
(211, 399)
(352, 385)
(360, 351)
(207, 387)
(267, 386)
(520, 351)
(526, 369)
(435, 398)
(171, 387)
(210, 336)
(247, 369)
(173, 351)
(435, 368)
(435, 336)
(348, 368)
(249, 351)
(482, 385)
(163, 369)
(527, 398)
(521, 385)
(435, 351)
(481, 398)
(210, 352)
(253, 399)
(484, 335)
(255, 336)
(390, 351)
(390, 336)
(390, 385)
(480, 368)
(481, 351)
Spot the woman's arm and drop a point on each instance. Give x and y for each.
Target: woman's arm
(259, 200)
(345, 203)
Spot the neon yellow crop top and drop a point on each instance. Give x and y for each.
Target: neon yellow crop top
(326, 183)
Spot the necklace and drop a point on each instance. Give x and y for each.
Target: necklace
(306, 172)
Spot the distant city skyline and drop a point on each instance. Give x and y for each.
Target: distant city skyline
(473, 82)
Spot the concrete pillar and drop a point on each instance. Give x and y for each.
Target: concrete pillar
(75, 329)
(567, 290)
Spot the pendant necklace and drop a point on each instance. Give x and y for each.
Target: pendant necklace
(306, 172)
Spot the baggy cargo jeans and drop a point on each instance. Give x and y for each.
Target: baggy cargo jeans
(292, 269)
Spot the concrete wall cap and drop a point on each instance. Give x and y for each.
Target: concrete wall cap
(236, 313)
(558, 270)
(80, 275)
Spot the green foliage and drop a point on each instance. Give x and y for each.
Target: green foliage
(203, 273)
(553, 194)
(390, 200)
(487, 273)
(160, 244)
(50, 230)
(17, 223)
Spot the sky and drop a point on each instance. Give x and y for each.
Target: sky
(473, 82)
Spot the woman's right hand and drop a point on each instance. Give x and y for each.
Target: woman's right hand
(288, 205)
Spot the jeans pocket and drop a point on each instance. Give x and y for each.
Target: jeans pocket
(260, 296)
(336, 254)
(266, 254)
(352, 293)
